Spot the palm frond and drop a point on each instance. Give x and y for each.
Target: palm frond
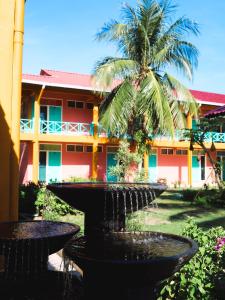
(117, 107)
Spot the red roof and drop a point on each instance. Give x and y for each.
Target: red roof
(64, 79)
(84, 81)
(209, 97)
(61, 78)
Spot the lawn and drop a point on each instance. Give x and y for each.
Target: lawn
(168, 214)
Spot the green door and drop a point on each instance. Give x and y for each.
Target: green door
(42, 165)
(152, 168)
(111, 162)
(196, 169)
(55, 118)
(54, 167)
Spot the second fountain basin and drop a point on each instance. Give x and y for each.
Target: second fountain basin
(131, 258)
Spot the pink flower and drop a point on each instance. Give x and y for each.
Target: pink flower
(220, 242)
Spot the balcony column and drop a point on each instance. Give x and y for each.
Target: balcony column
(146, 157)
(11, 36)
(189, 126)
(37, 101)
(94, 174)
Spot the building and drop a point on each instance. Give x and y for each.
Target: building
(60, 136)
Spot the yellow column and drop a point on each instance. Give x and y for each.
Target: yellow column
(146, 165)
(189, 126)
(16, 106)
(36, 135)
(11, 37)
(95, 144)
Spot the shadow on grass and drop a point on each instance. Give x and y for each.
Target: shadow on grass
(174, 205)
(212, 223)
(171, 196)
(198, 212)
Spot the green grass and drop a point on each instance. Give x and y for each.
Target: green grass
(170, 216)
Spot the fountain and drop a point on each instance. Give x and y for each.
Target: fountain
(118, 264)
(24, 250)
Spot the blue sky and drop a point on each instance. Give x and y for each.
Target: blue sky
(60, 35)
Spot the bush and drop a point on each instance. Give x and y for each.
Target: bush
(201, 277)
(50, 206)
(27, 197)
(189, 194)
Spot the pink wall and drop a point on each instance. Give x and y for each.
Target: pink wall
(80, 164)
(172, 167)
(69, 114)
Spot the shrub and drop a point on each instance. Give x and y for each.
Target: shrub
(189, 194)
(51, 206)
(199, 278)
(27, 196)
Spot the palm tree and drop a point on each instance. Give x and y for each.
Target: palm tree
(145, 97)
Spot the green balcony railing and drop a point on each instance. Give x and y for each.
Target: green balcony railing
(66, 128)
(26, 125)
(86, 129)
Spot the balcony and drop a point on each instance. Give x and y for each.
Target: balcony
(59, 128)
(65, 128)
(26, 126)
(86, 129)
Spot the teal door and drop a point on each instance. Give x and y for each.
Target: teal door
(55, 115)
(196, 169)
(42, 165)
(152, 168)
(54, 167)
(111, 162)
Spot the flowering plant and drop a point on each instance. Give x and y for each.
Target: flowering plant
(220, 242)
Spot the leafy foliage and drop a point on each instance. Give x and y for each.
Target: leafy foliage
(27, 196)
(51, 206)
(127, 163)
(145, 97)
(200, 277)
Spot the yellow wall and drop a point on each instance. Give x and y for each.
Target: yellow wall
(11, 37)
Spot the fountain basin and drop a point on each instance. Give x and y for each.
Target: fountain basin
(106, 204)
(131, 258)
(86, 195)
(25, 246)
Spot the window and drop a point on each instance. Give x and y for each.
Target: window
(75, 104)
(79, 104)
(50, 147)
(74, 148)
(70, 148)
(181, 152)
(79, 148)
(167, 151)
(89, 105)
(99, 148)
(112, 149)
(71, 104)
(89, 148)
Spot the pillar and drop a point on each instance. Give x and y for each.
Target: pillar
(37, 101)
(94, 174)
(146, 157)
(11, 37)
(189, 126)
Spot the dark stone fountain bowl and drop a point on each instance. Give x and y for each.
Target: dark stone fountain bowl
(106, 204)
(86, 196)
(131, 259)
(25, 246)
